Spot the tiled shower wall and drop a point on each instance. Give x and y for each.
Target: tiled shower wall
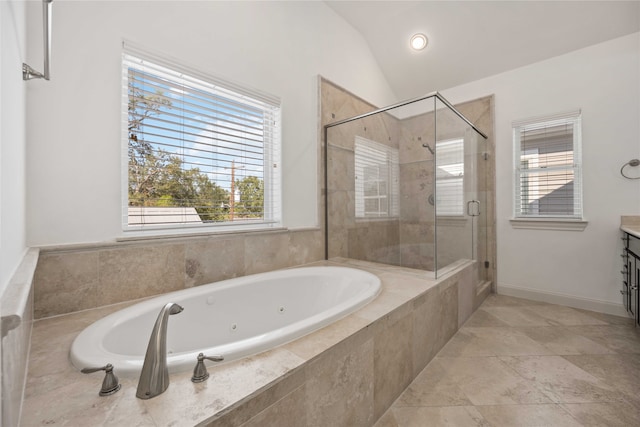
(378, 240)
(409, 240)
(417, 222)
(68, 280)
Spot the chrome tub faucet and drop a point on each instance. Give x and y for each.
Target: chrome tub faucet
(154, 378)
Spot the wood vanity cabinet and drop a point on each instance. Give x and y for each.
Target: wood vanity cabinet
(631, 275)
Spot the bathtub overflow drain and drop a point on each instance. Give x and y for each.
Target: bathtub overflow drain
(234, 327)
(281, 310)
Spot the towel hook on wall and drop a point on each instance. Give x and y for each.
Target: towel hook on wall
(632, 163)
(29, 73)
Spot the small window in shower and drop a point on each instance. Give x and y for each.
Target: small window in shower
(376, 179)
(198, 151)
(548, 177)
(450, 177)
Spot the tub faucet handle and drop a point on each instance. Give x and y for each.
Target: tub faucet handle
(110, 383)
(200, 373)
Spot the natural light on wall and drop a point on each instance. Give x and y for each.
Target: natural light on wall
(198, 151)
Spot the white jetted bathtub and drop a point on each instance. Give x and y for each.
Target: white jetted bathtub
(234, 318)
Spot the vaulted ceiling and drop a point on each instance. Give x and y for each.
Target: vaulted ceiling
(469, 40)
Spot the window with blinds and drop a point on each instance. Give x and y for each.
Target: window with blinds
(547, 167)
(200, 151)
(450, 177)
(377, 180)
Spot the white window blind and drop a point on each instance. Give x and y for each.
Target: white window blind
(377, 180)
(547, 166)
(199, 150)
(450, 177)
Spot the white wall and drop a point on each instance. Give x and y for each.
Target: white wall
(12, 138)
(578, 268)
(74, 120)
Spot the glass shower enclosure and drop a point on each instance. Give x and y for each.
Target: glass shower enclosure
(403, 187)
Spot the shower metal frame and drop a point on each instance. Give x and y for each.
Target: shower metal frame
(435, 94)
(28, 72)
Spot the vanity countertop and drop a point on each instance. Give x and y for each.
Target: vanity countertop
(633, 230)
(630, 224)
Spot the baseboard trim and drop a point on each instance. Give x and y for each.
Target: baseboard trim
(482, 287)
(562, 299)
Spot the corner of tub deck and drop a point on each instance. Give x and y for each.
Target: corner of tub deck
(14, 300)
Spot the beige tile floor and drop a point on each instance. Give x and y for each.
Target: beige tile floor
(523, 363)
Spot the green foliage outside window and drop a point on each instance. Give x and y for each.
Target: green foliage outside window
(158, 178)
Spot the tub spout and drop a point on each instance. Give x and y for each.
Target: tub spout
(154, 378)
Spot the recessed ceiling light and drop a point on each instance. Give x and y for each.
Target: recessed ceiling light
(419, 41)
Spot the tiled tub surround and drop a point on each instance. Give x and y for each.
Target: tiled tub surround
(16, 322)
(70, 279)
(347, 373)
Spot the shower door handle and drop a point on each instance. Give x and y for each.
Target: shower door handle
(472, 212)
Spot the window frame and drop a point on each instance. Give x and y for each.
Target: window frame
(391, 162)
(457, 180)
(572, 221)
(271, 169)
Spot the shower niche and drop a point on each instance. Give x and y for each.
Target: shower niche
(408, 185)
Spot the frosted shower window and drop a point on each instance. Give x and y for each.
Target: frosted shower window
(450, 177)
(200, 151)
(376, 173)
(548, 179)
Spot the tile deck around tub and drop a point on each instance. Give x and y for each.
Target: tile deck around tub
(57, 393)
(523, 363)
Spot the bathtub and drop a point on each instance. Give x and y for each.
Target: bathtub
(234, 318)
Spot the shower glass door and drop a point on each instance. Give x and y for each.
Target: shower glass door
(458, 203)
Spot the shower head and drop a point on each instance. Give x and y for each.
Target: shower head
(428, 147)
